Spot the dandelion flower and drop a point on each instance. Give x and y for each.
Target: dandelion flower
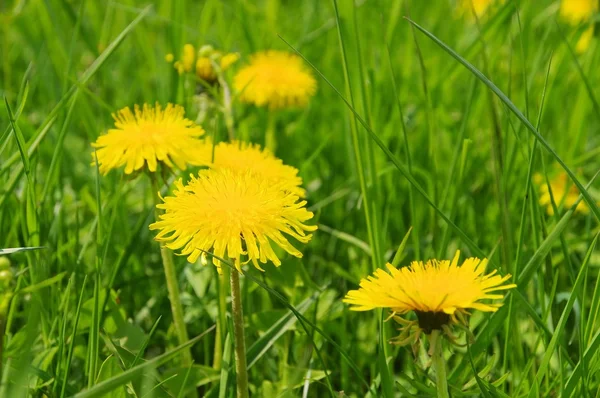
(169, 57)
(242, 157)
(479, 7)
(237, 215)
(564, 193)
(577, 11)
(147, 136)
(436, 291)
(275, 79)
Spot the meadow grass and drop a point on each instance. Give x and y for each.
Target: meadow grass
(426, 134)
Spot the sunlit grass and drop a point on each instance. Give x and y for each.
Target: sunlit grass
(478, 130)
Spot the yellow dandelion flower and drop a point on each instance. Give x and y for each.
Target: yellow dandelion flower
(238, 215)
(435, 290)
(479, 7)
(205, 70)
(564, 192)
(577, 11)
(169, 57)
(275, 79)
(147, 136)
(189, 55)
(242, 157)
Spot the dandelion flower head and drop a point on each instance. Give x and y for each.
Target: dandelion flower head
(564, 192)
(436, 290)
(237, 215)
(275, 79)
(577, 11)
(479, 7)
(242, 157)
(147, 136)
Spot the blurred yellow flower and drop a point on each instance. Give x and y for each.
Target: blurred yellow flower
(147, 136)
(238, 215)
(435, 290)
(242, 157)
(186, 63)
(564, 192)
(189, 55)
(577, 11)
(203, 65)
(479, 7)
(275, 79)
(205, 70)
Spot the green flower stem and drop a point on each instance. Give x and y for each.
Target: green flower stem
(172, 285)
(270, 137)
(438, 363)
(241, 369)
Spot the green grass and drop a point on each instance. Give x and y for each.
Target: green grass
(424, 118)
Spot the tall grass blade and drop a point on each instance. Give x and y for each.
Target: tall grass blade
(130, 374)
(588, 199)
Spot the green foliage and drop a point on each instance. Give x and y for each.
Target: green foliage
(425, 136)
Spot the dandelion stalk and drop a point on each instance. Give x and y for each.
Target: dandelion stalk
(238, 332)
(438, 363)
(270, 139)
(172, 284)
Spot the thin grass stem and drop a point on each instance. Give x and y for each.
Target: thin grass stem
(241, 369)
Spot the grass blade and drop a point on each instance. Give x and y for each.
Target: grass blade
(225, 367)
(18, 137)
(11, 250)
(110, 384)
(588, 199)
(543, 367)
